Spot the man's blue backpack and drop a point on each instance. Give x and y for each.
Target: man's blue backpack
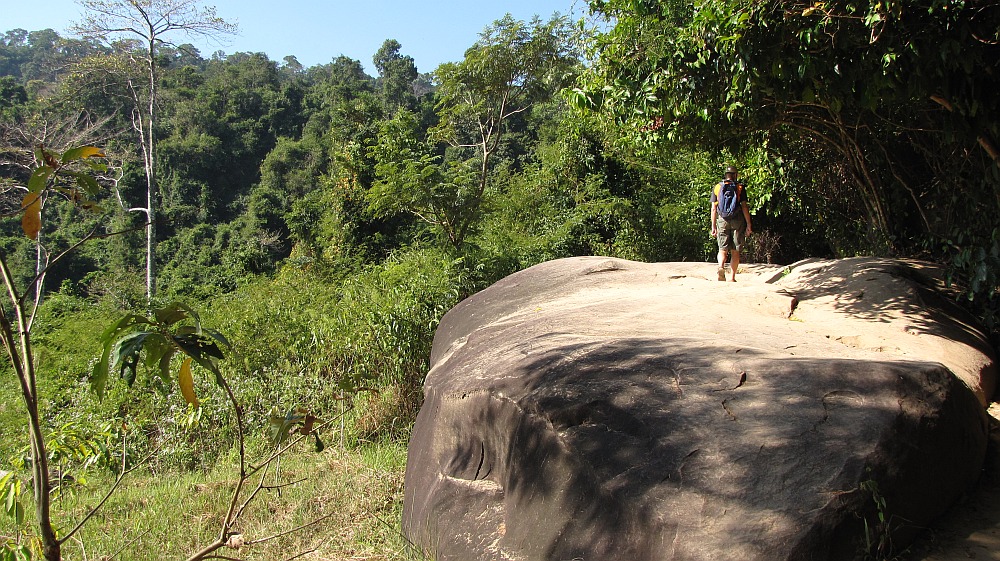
(729, 200)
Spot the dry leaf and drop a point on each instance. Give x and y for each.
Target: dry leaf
(31, 222)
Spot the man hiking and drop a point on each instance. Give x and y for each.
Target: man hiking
(730, 220)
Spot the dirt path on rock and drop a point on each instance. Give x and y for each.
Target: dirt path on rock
(971, 529)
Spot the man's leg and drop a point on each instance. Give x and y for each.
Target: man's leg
(734, 262)
(722, 264)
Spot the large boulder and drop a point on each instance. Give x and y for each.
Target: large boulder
(601, 409)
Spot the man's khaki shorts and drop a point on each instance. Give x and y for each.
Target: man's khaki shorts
(731, 233)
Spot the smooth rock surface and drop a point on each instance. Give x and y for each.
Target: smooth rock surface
(601, 409)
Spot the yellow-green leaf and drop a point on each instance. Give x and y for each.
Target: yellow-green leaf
(82, 153)
(186, 382)
(31, 222)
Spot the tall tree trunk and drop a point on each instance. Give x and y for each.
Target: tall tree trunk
(484, 174)
(151, 191)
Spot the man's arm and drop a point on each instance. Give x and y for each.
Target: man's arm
(746, 216)
(715, 214)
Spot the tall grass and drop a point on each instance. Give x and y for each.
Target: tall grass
(355, 493)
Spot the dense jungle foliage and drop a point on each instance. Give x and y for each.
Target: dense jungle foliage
(323, 219)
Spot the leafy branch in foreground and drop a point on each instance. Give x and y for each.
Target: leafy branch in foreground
(66, 175)
(176, 331)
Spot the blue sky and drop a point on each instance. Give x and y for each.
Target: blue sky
(317, 31)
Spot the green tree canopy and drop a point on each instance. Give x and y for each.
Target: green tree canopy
(890, 100)
(513, 65)
(397, 73)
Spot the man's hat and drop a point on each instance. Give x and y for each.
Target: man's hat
(731, 169)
